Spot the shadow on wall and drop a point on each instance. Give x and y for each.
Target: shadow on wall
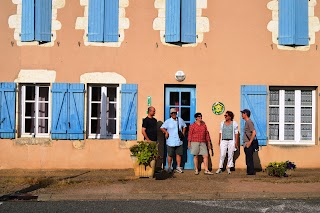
(161, 147)
(257, 162)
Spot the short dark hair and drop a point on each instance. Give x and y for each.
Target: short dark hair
(230, 114)
(197, 114)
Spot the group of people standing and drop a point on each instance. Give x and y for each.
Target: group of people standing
(199, 140)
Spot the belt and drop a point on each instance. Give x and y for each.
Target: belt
(227, 139)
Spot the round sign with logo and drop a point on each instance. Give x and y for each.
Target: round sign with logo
(218, 108)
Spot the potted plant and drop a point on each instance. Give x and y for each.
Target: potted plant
(280, 169)
(143, 155)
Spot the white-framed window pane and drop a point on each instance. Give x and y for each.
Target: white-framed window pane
(29, 125)
(306, 115)
(43, 110)
(43, 93)
(29, 110)
(43, 125)
(306, 132)
(289, 114)
(95, 126)
(96, 110)
(274, 114)
(112, 110)
(30, 93)
(306, 98)
(274, 97)
(289, 97)
(274, 131)
(96, 93)
(289, 131)
(111, 126)
(112, 93)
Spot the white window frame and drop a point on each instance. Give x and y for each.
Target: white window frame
(297, 122)
(103, 133)
(23, 101)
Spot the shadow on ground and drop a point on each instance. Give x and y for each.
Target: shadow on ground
(25, 194)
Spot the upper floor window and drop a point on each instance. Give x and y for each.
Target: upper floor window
(293, 23)
(180, 21)
(34, 110)
(103, 111)
(103, 21)
(36, 20)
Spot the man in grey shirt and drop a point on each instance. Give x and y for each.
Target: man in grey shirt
(248, 136)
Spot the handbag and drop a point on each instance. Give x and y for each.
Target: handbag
(181, 136)
(254, 144)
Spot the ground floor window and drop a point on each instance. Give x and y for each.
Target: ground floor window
(292, 115)
(34, 110)
(103, 111)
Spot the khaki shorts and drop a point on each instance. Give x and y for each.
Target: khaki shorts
(199, 148)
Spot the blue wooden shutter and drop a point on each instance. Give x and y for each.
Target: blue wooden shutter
(129, 112)
(111, 21)
(172, 21)
(302, 23)
(59, 116)
(293, 22)
(7, 110)
(27, 20)
(254, 98)
(76, 111)
(188, 21)
(43, 20)
(96, 20)
(67, 111)
(286, 22)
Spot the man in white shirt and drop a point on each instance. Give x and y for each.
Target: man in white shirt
(174, 144)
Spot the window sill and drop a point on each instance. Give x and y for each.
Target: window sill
(98, 137)
(33, 141)
(292, 143)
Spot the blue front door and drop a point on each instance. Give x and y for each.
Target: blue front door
(184, 100)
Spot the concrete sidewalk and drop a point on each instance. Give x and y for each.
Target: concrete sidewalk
(122, 184)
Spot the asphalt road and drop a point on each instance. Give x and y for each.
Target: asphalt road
(155, 206)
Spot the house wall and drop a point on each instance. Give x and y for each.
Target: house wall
(237, 50)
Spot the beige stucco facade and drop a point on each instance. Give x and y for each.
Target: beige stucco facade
(236, 48)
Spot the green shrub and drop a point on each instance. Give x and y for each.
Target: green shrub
(279, 169)
(145, 152)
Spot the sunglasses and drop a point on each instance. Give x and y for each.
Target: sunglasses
(226, 115)
(173, 113)
(199, 116)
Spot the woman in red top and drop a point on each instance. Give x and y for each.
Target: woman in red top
(198, 139)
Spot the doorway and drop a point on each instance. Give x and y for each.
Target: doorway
(183, 98)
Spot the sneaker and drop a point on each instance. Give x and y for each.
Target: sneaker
(196, 172)
(179, 170)
(218, 171)
(208, 172)
(169, 170)
(229, 171)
